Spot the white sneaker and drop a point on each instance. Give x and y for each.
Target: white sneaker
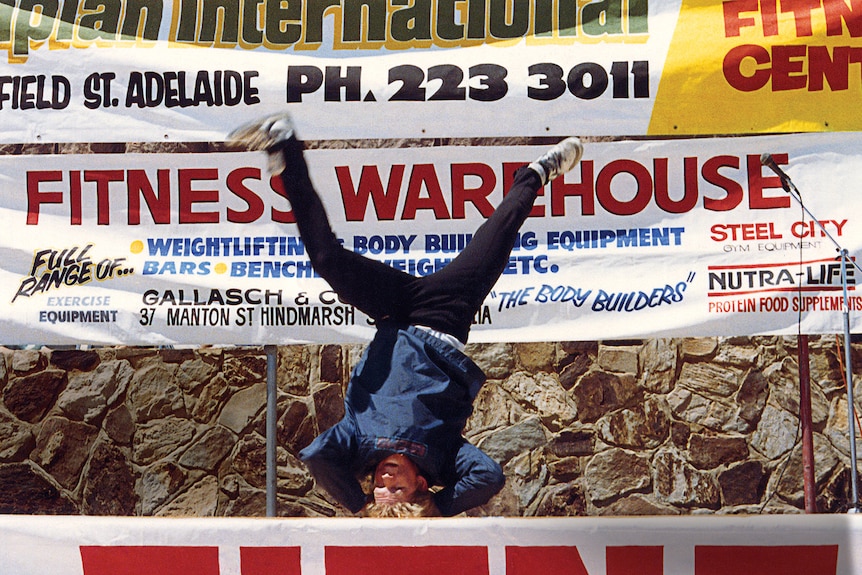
(265, 134)
(558, 160)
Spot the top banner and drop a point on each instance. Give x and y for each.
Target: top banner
(153, 70)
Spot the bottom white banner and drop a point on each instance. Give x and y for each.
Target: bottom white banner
(706, 545)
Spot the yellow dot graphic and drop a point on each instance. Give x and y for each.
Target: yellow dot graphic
(220, 268)
(136, 247)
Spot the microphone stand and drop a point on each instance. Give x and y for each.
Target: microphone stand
(846, 260)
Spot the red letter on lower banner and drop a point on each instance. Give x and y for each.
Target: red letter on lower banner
(544, 560)
(270, 560)
(144, 560)
(787, 560)
(636, 559)
(432, 560)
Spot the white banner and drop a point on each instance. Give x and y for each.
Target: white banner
(758, 545)
(642, 239)
(183, 71)
(154, 70)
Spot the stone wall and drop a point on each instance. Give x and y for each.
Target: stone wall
(676, 426)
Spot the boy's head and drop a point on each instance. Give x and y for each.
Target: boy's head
(400, 490)
(398, 480)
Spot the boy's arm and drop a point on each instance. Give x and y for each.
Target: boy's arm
(331, 460)
(477, 478)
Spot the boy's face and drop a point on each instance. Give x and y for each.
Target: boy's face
(397, 480)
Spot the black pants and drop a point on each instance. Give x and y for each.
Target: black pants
(445, 300)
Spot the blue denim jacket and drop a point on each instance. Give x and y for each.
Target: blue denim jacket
(410, 393)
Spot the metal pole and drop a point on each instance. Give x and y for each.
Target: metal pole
(848, 367)
(809, 486)
(848, 370)
(271, 429)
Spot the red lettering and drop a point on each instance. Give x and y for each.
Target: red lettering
(642, 195)
(430, 560)
(787, 73)
(838, 14)
(464, 560)
(190, 196)
(103, 179)
(200, 195)
(801, 14)
(236, 184)
(787, 560)
(75, 197)
(159, 205)
(477, 196)
(139, 189)
(733, 191)
(424, 176)
(146, 560)
(545, 560)
(733, 63)
(561, 190)
(280, 216)
(785, 65)
(769, 15)
(718, 233)
(757, 183)
(35, 197)
(355, 199)
(834, 69)
(662, 192)
(269, 561)
(733, 23)
(642, 560)
(745, 232)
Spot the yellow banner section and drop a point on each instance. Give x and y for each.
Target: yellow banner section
(748, 66)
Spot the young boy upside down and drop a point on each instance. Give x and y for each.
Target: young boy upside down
(412, 391)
